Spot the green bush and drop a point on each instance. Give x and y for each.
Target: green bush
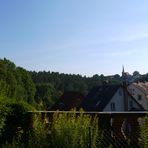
(4, 111)
(13, 118)
(66, 130)
(13, 144)
(144, 133)
(71, 130)
(38, 136)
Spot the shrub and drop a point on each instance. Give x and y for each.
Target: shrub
(13, 120)
(13, 144)
(71, 130)
(38, 136)
(66, 130)
(4, 111)
(144, 133)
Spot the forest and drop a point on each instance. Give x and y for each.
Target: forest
(42, 89)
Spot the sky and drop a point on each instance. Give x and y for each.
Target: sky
(84, 37)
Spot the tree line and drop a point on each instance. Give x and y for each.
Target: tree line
(54, 84)
(42, 89)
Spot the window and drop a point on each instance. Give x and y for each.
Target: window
(139, 97)
(61, 104)
(112, 105)
(98, 103)
(131, 104)
(133, 92)
(120, 93)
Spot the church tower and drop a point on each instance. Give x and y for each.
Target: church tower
(123, 76)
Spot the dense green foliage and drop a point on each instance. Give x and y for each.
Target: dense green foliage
(71, 82)
(42, 89)
(4, 112)
(73, 130)
(15, 82)
(144, 133)
(17, 92)
(12, 115)
(67, 130)
(70, 130)
(46, 94)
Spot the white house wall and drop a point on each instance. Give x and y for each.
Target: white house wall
(118, 100)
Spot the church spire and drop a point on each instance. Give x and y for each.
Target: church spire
(125, 92)
(122, 69)
(123, 75)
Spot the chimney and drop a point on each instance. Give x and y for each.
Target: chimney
(125, 92)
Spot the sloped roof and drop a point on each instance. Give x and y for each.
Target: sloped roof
(140, 106)
(142, 86)
(99, 97)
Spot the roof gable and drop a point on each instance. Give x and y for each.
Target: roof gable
(99, 97)
(139, 105)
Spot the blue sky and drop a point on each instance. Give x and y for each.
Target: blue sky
(75, 36)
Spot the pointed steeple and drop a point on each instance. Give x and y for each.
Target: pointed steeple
(123, 74)
(124, 83)
(122, 69)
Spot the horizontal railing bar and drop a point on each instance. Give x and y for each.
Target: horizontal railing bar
(128, 112)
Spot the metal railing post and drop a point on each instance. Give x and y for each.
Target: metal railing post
(89, 137)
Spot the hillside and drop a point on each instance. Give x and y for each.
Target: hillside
(44, 88)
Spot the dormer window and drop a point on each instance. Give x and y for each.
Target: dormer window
(139, 97)
(113, 107)
(120, 93)
(133, 92)
(98, 103)
(131, 104)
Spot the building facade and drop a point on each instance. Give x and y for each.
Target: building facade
(140, 92)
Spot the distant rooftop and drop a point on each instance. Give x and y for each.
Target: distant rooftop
(143, 86)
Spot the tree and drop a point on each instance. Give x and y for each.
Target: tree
(45, 93)
(136, 73)
(28, 85)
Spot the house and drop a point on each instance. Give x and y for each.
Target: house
(68, 101)
(110, 98)
(140, 92)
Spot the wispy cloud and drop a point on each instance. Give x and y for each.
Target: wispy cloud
(119, 53)
(131, 37)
